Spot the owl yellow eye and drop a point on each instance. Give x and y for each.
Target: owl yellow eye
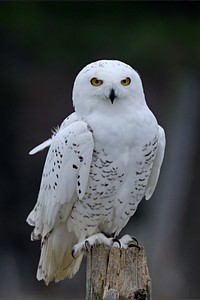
(126, 81)
(96, 82)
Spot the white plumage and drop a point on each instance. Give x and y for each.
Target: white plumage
(102, 161)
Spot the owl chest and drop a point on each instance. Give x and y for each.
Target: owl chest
(116, 184)
(106, 175)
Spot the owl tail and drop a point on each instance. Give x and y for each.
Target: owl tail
(56, 261)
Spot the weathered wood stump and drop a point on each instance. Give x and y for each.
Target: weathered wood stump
(117, 274)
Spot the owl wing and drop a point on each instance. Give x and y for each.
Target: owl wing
(64, 178)
(157, 164)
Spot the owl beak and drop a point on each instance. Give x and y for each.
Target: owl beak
(112, 95)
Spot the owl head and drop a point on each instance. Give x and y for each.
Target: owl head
(107, 84)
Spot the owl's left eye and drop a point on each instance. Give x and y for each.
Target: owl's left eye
(96, 82)
(126, 81)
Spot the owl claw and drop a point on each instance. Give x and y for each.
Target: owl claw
(133, 243)
(125, 242)
(72, 253)
(128, 241)
(116, 241)
(88, 246)
(88, 243)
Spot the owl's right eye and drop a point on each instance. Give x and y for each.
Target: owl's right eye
(96, 82)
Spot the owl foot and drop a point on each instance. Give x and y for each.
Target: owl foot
(128, 241)
(88, 243)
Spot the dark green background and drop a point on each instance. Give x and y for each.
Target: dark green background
(43, 45)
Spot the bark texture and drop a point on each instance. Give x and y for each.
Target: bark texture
(117, 274)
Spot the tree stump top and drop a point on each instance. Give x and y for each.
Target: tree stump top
(117, 273)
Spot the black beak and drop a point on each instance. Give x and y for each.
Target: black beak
(112, 95)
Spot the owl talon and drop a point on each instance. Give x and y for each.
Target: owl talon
(116, 242)
(88, 243)
(135, 240)
(128, 241)
(72, 253)
(133, 245)
(88, 246)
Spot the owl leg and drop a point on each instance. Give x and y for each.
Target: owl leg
(128, 241)
(98, 238)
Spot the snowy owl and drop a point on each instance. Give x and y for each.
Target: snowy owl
(102, 161)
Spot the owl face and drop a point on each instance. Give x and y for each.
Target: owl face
(107, 82)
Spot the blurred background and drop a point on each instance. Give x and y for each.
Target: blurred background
(43, 45)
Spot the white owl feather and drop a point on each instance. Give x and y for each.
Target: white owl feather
(102, 161)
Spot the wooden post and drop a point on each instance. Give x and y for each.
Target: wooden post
(117, 274)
